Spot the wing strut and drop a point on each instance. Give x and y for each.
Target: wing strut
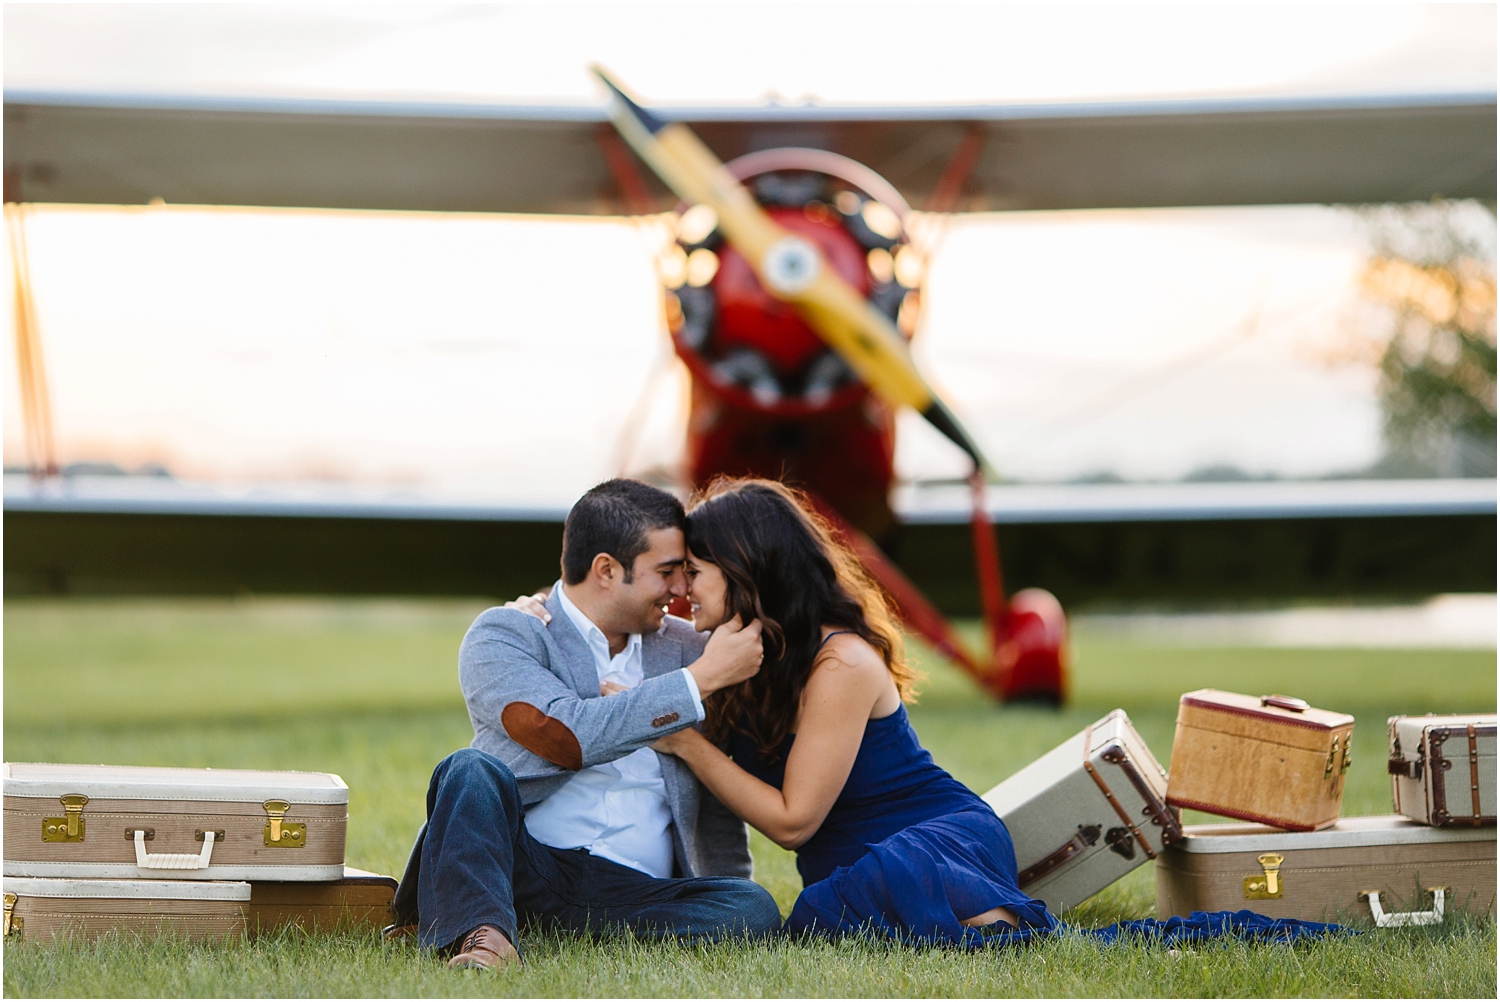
(36, 398)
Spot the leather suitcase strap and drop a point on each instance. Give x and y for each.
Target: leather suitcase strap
(1161, 815)
(1437, 765)
(1474, 769)
(1087, 836)
(1088, 742)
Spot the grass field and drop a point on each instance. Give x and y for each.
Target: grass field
(368, 689)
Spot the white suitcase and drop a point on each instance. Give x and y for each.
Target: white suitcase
(1086, 813)
(133, 822)
(1443, 769)
(38, 909)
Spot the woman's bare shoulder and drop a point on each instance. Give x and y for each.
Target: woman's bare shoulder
(847, 659)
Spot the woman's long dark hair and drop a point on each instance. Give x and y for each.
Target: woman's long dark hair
(783, 566)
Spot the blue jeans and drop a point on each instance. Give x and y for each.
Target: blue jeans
(475, 864)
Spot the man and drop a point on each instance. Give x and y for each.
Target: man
(559, 811)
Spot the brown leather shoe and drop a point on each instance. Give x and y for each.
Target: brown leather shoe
(486, 949)
(398, 933)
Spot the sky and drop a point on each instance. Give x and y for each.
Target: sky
(732, 53)
(501, 355)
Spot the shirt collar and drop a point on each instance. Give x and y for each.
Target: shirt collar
(592, 635)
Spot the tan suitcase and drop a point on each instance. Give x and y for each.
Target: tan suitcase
(1443, 769)
(133, 822)
(360, 899)
(1269, 759)
(1387, 869)
(40, 909)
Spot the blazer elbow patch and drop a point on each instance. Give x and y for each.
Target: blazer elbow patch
(542, 735)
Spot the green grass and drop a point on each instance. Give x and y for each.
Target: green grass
(368, 689)
(1456, 962)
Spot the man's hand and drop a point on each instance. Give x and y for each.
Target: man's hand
(532, 605)
(733, 654)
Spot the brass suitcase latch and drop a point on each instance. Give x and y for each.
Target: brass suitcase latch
(13, 922)
(1266, 884)
(279, 833)
(69, 828)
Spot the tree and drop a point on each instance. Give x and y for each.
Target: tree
(1430, 286)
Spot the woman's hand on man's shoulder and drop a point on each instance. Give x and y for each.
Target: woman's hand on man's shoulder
(532, 605)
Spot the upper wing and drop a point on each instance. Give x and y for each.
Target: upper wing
(549, 159)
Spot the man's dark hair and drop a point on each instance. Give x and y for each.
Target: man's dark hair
(614, 518)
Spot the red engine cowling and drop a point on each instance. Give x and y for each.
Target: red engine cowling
(769, 398)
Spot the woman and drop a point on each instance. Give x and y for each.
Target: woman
(821, 756)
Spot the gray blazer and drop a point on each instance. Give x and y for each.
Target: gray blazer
(533, 696)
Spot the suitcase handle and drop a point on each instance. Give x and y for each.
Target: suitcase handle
(1286, 703)
(1402, 767)
(1387, 920)
(172, 860)
(1087, 836)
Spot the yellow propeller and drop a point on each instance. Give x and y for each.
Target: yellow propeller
(789, 266)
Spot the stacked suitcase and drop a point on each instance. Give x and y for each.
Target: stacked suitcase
(202, 853)
(1387, 869)
(1280, 763)
(1443, 769)
(1099, 805)
(1269, 759)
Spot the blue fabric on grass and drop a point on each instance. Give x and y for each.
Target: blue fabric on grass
(1200, 927)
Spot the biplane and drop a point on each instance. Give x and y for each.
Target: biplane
(790, 281)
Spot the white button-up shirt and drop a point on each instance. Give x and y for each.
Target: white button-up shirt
(619, 809)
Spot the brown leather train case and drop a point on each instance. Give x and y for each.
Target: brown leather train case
(1268, 759)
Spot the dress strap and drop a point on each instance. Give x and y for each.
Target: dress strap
(832, 635)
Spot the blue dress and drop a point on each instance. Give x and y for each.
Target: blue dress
(906, 852)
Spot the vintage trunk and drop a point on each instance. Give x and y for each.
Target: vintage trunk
(1443, 769)
(1270, 759)
(1418, 873)
(40, 909)
(359, 899)
(1086, 813)
(133, 822)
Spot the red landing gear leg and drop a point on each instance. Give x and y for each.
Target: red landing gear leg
(1028, 635)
